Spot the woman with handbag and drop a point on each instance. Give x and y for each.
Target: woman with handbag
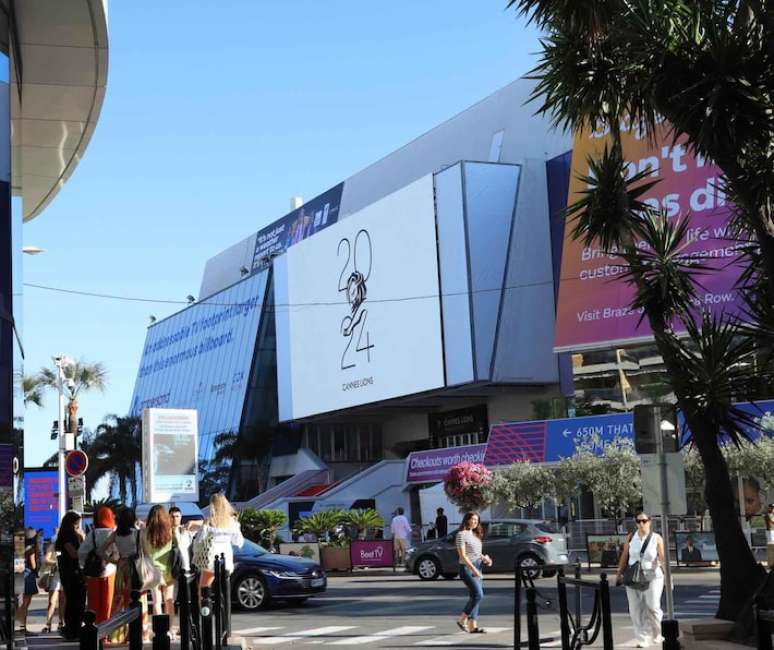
(50, 582)
(157, 544)
(96, 558)
(640, 571)
(68, 540)
(215, 537)
(126, 543)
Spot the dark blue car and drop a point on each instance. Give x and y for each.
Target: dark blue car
(261, 577)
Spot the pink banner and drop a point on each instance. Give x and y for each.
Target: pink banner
(594, 302)
(371, 553)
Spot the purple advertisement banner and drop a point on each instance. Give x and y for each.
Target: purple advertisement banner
(315, 215)
(371, 553)
(433, 464)
(41, 500)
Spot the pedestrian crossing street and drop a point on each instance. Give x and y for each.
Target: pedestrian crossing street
(354, 635)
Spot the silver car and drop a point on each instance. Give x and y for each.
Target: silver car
(508, 541)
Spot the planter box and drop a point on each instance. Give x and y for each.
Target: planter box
(335, 558)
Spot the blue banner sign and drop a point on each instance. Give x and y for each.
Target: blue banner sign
(41, 494)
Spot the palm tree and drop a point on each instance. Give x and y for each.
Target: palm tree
(364, 520)
(80, 377)
(116, 450)
(261, 526)
(32, 387)
(708, 69)
(321, 523)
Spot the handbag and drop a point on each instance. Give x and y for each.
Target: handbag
(634, 575)
(94, 565)
(145, 574)
(203, 549)
(44, 581)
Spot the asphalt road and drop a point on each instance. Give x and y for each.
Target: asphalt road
(401, 612)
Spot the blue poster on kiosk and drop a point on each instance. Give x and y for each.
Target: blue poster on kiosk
(41, 493)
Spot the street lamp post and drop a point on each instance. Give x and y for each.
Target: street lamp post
(61, 362)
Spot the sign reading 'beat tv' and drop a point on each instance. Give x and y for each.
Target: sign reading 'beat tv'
(358, 308)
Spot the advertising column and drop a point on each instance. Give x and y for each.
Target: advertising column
(169, 455)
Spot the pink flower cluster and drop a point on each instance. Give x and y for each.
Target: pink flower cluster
(466, 483)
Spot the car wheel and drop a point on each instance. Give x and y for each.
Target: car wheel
(428, 568)
(251, 593)
(530, 565)
(449, 576)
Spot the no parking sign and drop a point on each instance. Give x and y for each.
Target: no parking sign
(76, 462)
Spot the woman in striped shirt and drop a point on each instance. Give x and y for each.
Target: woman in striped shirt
(469, 543)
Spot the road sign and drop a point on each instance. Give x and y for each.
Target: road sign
(652, 493)
(76, 486)
(76, 462)
(78, 504)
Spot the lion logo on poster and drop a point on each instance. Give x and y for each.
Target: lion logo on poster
(357, 256)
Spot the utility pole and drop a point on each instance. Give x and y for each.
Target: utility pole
(61, 362)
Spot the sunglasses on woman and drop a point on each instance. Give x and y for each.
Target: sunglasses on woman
(642, 521)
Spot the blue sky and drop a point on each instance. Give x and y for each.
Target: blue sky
(215, 116)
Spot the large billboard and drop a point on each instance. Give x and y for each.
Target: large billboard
(169, 455)
(200, 359)
(316, 214)
(357, 308)
(594, 302)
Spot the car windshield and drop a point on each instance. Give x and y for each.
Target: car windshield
(252, 548)
(545, 527)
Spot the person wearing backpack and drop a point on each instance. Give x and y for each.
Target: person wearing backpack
(640, 570)
(97, 566)
(124, 542)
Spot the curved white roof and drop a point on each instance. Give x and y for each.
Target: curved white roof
(64, 59)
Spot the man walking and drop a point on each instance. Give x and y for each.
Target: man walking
(401, 534)
(441, 524)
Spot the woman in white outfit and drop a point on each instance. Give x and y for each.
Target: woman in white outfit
(645, 605)
(216, 536)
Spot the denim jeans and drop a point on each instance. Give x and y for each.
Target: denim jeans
(475, 587)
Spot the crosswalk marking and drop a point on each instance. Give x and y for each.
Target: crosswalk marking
(386, 634)
(253, 630)
(296, 636)
(452, 639)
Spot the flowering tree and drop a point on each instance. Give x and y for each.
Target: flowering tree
(616, 483)
(523, 484)
(469, 486)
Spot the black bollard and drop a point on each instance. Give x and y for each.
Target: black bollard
(564, 613)
(533, 630)
(89, 635)
(184, 613)
(670, 630)
(161, 640)
(206, 613)
(607, 620)
(217, 604)
(135, 626)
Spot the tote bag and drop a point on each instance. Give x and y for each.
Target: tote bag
(146, 574)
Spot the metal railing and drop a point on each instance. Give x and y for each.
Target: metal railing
(91, 632)
(576, 634)
(525, 576)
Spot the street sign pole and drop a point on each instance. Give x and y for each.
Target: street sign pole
(662, 466)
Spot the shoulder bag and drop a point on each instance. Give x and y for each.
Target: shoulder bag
(634, 575)
(94, 565)
(146, 574)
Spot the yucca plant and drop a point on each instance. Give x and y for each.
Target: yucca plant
(261, 526)
(322, 524)
(364, 521)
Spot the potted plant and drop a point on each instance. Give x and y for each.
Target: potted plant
(261, 526)
(334, 547)
(364, 520)
(469, 486)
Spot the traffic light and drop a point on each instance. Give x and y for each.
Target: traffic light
(652, 421)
